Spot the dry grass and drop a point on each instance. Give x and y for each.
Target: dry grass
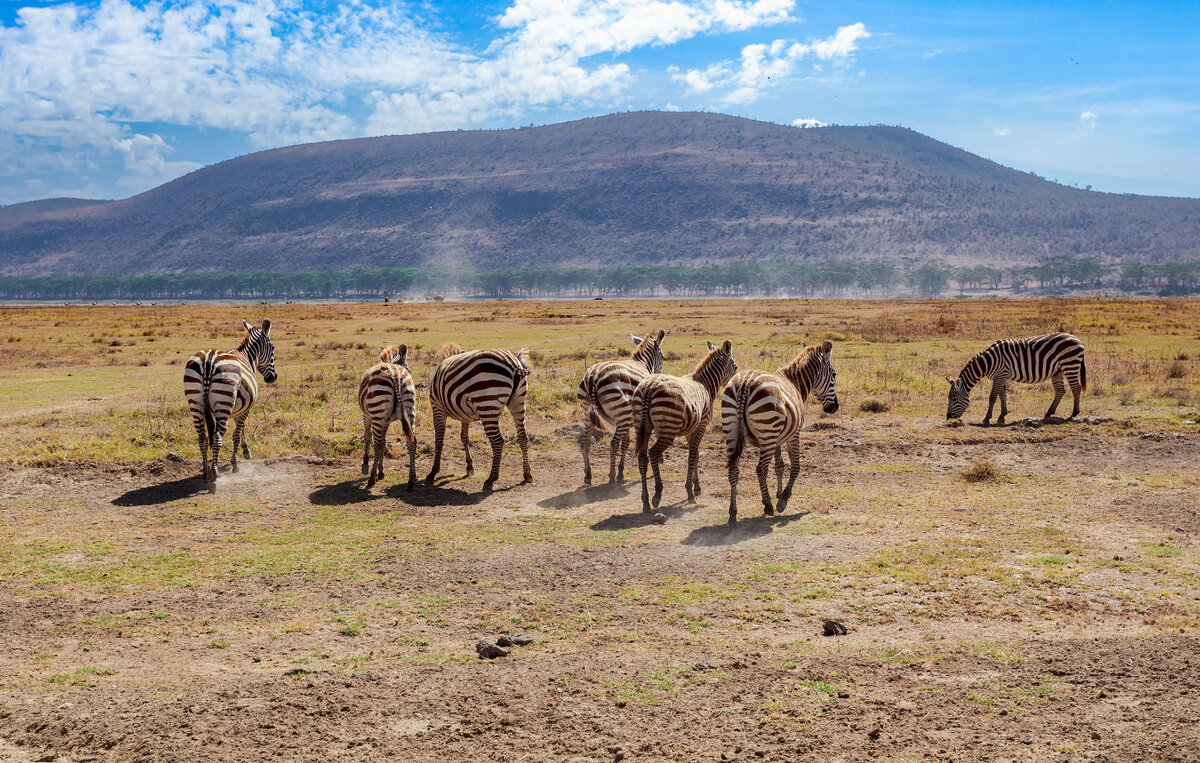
(982, 471)
(103, 383)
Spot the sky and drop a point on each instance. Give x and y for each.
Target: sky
(110, 98)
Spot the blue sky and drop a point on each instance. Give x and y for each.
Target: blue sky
(107, 99)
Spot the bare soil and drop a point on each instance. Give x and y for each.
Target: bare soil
(686, 641)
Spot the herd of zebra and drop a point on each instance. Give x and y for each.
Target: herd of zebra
(761, 409)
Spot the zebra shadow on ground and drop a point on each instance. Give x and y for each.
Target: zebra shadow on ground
(1029, 421)
(346, 493)
(584, 495)
(354, 491)
(164, 492)
(640, 518)
(745, 529)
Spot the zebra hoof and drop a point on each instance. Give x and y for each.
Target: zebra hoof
(487, 487)
(371, 483)
(470, 471)
(212, 486)
(412, 485)
(365, 469)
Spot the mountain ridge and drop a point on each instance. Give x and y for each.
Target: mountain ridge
(681, 188)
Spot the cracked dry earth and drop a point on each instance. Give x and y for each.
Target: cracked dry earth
(1048, 613)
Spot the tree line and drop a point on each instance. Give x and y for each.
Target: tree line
(857, 278)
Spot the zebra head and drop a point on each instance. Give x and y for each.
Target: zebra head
(960, 398)
(649, 350)
(394, 355)
(724, 362)
(825, 383)
(260, 349)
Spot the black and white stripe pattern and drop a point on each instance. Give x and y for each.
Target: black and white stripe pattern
(678, 406)
(478, 386)
(1057, 357)
(606, 394)
(767, 411)
(386, 394)
(222, 385)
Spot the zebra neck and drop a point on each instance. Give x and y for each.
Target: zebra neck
(973, 371)
(800, 379)
(707, 378)
(645, 358)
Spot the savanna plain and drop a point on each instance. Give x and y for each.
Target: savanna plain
(1024, 592)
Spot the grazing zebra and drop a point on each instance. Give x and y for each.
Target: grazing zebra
(222, 385)
(767, 411)
(606, 394)
(386, 394)
(678, 406)
(476, 386)
(1030, 360)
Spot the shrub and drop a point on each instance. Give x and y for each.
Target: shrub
(982, 471)
(1177, 370)
(874, 405)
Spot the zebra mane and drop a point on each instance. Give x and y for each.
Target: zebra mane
(387, 353)
(708, 360)
(800, 361)
(246, 339)
(450, 349)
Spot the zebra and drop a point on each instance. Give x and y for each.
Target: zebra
(1057, 357)
(386, 394)
(222, 385)
(605, 394)
(678, 406)
(767, 411)
(476, 386)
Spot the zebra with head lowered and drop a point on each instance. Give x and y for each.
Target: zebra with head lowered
(386, 394)
(678, 406)
(222, 385)
(477, 386)
(767, 411)
(606, 394)
(1057, 357)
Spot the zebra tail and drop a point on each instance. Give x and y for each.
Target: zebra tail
(593, 415)
(641, 415)
(210, 422)
(405, 425)
(739, 429)
(1083, 374)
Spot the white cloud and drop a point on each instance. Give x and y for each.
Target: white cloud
(808, 122)
(1002, 132)
(932, 54)
(80, 80)
(763, 64)
(1087, 120)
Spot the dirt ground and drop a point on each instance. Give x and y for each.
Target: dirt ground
(1049, 612)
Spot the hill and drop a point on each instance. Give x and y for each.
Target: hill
(647, 188)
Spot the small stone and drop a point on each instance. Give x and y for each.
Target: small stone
(660, 518)
(173, 456)
(1096, 735)
(621, 703)
(834, 628)
(1027, 740)
(514, 640)
(843, 695)
(489, 651)
(874, 734)
(704, 666)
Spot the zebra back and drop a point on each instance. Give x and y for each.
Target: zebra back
(469, 385)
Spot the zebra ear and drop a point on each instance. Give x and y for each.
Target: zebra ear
(266, 326)
(661, 333)
(402, 355)
(803, 346)
(950, 380)
(246, 325)
(711, 346)
(636, 339)
(727, 345)
(827, 347)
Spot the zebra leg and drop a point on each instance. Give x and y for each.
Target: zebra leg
(987, 420)
(762, 470)
(517, 409)
(793, 472)
(412, 465)
(379, 440)
(239, 433)
(491, 428)
(1060, 390)
(624, 432)
(202, 437)
(465, 436)
(644, 463)
(1076, 391)
(1003, 401)
(439, 438)
(778, 471)
(585, 446)
(366, 445)
(220, 421)
(656, 453)
(692, 483)
(733, 483)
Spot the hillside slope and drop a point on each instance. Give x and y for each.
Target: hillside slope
(682, 188)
